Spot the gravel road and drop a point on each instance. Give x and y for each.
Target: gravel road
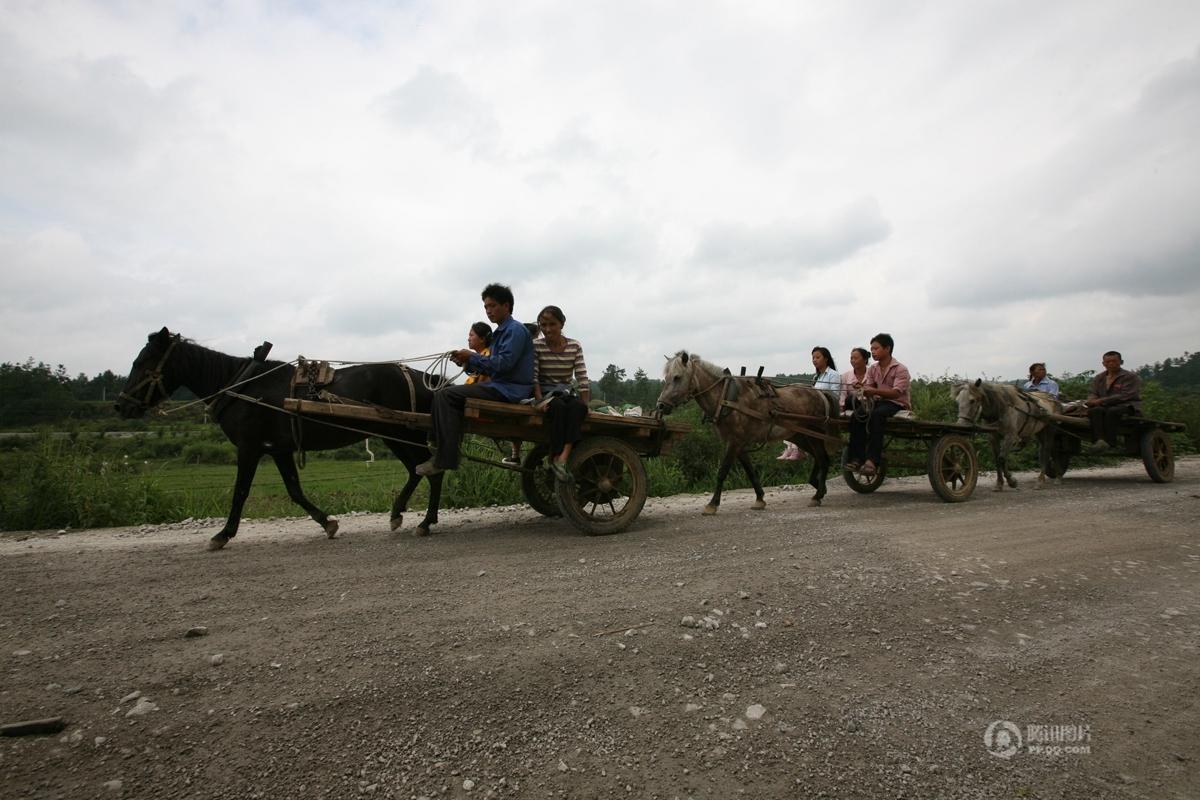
(860, 649)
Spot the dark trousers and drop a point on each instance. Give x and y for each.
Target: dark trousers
(565, 416)
(866, 436)
(448, 406)
(1105, 420)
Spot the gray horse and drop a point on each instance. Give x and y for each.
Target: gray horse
(1018, 415)
(746, 413)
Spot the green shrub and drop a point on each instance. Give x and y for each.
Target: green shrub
(209, 453)
(62, 483)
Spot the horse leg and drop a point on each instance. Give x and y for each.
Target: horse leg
(435, 500)
(291, 481)
(998, 455)
(752, 474)
(818, 474)
(1010, 444)
(247, 465)
(400, 504)
(1045, 442)
(731, 454)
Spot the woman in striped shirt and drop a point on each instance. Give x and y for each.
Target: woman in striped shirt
(558, 366)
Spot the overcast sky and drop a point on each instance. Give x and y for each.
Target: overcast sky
(993, 183)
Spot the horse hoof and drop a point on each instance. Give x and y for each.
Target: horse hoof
(759, 505)
(421, 531)
(709, 511)
(998, 489)
(216, 543)
(397, 522)
(331, 529)
(814, 503)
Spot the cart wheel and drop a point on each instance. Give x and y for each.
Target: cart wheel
(1158, 454)
(537, 483)
(609, 489)
(861, 483)
(953, 468)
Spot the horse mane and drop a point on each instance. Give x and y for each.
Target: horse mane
(704, 366)
(212, 366)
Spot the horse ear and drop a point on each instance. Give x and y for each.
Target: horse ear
(978, 382)
(683, 356)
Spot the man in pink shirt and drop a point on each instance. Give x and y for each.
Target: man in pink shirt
(887, 384)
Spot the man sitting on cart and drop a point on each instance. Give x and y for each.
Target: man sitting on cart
(509, 368)
(886, 384)
(1113, 394)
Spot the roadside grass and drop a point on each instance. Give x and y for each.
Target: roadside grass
(172, 472)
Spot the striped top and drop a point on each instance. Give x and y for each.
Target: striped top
(550, 367)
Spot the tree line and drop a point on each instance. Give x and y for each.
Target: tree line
(34, 393)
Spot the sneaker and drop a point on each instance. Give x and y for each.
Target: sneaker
(428, 468)
(512, 461)
(561, 473)
(795, 455)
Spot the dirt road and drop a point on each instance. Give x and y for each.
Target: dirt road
(862, 649)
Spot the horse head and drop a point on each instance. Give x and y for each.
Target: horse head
(971, 400)
(677, 381)
(148, 385)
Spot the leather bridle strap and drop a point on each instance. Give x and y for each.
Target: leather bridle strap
(152, 380)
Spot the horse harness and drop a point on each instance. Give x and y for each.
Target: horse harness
(314, 376)
(152, 380)
(730, 402)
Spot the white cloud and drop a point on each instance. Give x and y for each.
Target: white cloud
(990, 182)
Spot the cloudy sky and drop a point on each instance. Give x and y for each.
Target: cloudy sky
(991, 182)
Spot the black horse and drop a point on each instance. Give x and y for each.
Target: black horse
(260, 428)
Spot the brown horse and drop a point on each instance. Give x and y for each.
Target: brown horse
(1018, 415)
(748, 412)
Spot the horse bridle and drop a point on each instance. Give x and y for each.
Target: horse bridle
(152, 380)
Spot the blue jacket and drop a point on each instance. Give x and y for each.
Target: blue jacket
(510, 366)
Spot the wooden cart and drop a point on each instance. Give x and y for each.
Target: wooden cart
(944, 450)
(1139, 437)
(610, 485)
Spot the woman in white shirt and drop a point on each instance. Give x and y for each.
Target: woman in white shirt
(829, 381)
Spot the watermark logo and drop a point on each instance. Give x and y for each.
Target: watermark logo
(1005, 739)
(1002, 739)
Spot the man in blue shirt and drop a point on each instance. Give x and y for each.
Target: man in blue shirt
(509, 368)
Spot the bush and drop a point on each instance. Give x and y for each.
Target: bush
(209, 453)
(66, 484)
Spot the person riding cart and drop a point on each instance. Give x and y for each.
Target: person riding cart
(1114, 394)
(509, 367)
(887, 384)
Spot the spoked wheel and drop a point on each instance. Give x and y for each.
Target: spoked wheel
(1158, 454)
(609, 489)
(860, 483)
(953, 468)
(537, 482)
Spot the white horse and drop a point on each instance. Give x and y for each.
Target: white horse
(1018, 415)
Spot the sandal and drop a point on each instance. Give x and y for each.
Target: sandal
(561, 473)
(852, 466)
(868, 469)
